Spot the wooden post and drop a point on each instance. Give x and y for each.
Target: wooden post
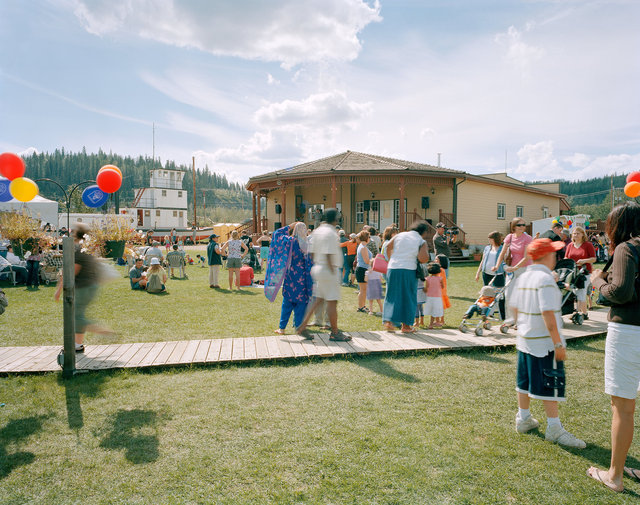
(68, 304)
(253, 212)
(401, 215)
(195, 221)
(334, 189)
(259, 197)
(283, 216)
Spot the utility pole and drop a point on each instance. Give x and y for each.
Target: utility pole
(612, 195)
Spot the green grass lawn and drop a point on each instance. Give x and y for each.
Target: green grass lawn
(411, 429)
(417, 429)
(191, 310)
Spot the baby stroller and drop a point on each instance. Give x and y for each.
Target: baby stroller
(571, 278)
(482, 320)
(50, 269)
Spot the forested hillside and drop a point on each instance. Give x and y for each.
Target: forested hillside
(70, 168)
(593, 196)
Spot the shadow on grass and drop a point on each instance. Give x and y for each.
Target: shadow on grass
(87, 385)
(484, 356)
(14, 432)
(246, 292)
(383, 367)
(581, 345)
(126, 433)
(463, 298)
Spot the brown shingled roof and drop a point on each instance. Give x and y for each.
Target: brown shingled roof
(351, 161)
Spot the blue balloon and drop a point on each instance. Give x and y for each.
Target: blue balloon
(5, 194)
(93, 197)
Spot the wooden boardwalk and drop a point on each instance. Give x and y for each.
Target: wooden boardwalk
(16, 360)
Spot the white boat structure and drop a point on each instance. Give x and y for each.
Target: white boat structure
(162, 206)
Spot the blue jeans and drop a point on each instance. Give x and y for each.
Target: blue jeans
(298, 308)
(33, 273)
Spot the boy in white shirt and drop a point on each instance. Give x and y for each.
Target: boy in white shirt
(536, 306)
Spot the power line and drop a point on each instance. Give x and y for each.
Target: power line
(594, 193)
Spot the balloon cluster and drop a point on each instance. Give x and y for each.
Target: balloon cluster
(15, 186)
(22, 188)
(632, 188)
(109, 180)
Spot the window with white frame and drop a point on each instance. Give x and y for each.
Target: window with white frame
(502, 210)
(359, 212)
(157, 213)
(519, 211)
(179, 194)
(545, 212)
(175, 213)
(164, 192)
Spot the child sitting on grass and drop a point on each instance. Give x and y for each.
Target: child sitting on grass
(201, 260)
(536, 304)
(433, 286)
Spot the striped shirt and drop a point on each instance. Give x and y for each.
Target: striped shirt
(536, 292)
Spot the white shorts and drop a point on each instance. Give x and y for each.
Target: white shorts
(433, 306)
(622, 361)
(326, 285)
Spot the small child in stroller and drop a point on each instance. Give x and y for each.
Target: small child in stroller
(482, 305)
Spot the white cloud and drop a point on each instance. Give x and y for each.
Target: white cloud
(318, 110)
(289, 31)
(538, 162)
(272, 80)
(28, 152)
(519, 53)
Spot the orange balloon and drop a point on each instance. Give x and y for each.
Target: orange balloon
(111, 167)
(632, 189)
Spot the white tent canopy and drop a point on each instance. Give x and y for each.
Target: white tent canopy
(39, 208)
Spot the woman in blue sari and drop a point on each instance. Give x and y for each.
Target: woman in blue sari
(289, 266)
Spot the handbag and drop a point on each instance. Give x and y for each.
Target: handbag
(554, 378)
(507, 256)
(379, 264)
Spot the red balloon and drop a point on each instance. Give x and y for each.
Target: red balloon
(11, 166)
(109, 180)
(632, 189)
(633, 177)
(569, 223)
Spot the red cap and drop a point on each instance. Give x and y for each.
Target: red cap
(542, 246)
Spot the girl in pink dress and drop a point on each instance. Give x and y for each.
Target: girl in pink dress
(433, 286)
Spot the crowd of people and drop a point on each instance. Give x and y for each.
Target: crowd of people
(396, 272)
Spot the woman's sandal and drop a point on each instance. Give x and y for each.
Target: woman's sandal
(596, 474)
(411, 329)
(279, 331)
(632, 473)
(389, 327)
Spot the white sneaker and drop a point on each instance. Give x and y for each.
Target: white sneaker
(559, 435)
(528, 424)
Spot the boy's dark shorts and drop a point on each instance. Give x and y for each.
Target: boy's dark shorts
(530, 379)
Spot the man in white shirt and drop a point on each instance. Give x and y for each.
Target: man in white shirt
(12, 258)
(328, 260)
(536, 304)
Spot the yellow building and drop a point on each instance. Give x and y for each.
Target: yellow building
(368, 189)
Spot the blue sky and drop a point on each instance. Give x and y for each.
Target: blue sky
(249, 86)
